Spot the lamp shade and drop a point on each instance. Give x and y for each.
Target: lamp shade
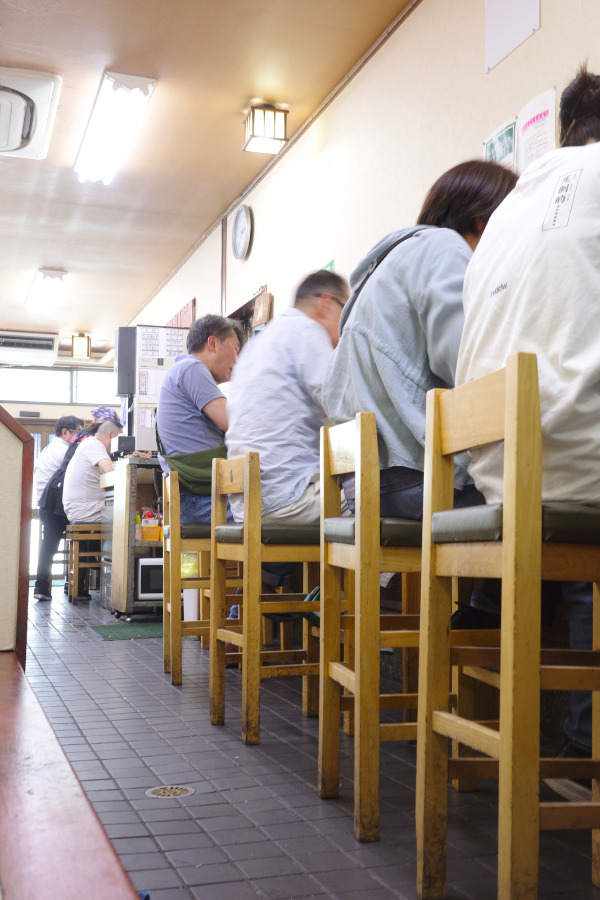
(265, 129)
(81, 346)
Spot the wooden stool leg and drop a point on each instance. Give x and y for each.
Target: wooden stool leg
(518, 778)
(203, 600)
(596, 739)
(328, 778)
(251, 656)
(166, 608)
(431, 807)
(366, 705)
(411, 602)
(75, 594)
(70, 572)
(310, 643)
(267, 632)
(348, 643)
(176, 604)
(285, 635)
(216, 658)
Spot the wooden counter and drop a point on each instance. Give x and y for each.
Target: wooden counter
(130, 485)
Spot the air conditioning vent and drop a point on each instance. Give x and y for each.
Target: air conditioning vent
(28, 102)
(20, 348)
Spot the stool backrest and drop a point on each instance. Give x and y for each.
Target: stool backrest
(504, 406)
(237, 476)
(171, 503)
(350, 447)
(501, 406)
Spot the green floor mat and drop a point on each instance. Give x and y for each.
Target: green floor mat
(129, 631)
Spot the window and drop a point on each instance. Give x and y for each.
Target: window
(92, 386)
(35, 385)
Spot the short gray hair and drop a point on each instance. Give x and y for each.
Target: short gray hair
(208, 325)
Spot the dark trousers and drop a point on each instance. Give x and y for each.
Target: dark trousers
(53, 527)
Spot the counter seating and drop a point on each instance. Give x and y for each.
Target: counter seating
(366, 546)
(253, 544)
(178, 539)
(82, 556)
(521, 542)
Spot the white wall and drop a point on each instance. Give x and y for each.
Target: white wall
(199, 277)
(422, 104)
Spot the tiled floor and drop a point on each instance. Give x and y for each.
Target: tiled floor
(255, 827)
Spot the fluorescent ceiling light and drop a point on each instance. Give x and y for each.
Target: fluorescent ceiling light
(45, 289)
(265, 129)
(113, 125)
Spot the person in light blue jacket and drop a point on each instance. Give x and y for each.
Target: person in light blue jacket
(400, 332)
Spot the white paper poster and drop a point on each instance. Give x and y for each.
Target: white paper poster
(536, 129)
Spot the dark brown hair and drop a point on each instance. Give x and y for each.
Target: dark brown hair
(465, 196)
(580, 110)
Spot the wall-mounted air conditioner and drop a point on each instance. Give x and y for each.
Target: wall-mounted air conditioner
(28, 102)
(21, 348)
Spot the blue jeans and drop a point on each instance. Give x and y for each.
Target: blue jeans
(408, 503)
(578, 594)
(196, 510)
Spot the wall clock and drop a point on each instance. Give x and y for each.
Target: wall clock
(241, 232)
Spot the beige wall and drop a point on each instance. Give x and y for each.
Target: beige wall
(199, 277)
(422, 104)
(11, 450)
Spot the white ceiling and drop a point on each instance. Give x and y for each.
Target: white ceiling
(120, 242)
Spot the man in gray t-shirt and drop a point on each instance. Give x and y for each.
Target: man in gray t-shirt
(192, 411)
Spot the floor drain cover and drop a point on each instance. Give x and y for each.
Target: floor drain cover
(170, 790)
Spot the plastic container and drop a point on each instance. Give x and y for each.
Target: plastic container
(151, 532)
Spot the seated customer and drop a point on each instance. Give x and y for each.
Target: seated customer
(192, 411)
(83, 498)
(532, 286)
(401, 330)
(275, 404)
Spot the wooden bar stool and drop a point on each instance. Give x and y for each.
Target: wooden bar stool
(178, 539)
(520, 541)
(365, 545)
(82, 559)
(252, 544)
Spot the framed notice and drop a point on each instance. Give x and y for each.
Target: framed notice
(263, 303)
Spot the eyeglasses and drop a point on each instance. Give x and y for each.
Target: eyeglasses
(331, 297)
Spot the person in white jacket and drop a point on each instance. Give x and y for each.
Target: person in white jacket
(533, 286)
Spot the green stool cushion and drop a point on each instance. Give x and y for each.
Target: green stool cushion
(195, 531)
(271, 534)
(570, 523)
(394, 532)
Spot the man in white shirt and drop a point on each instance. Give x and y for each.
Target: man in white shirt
(83, 498)
(532, 286)
(53, 525)
(275, 403)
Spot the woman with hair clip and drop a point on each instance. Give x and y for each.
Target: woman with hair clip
(401, 329)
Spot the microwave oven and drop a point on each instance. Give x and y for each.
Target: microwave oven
(149, 578)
